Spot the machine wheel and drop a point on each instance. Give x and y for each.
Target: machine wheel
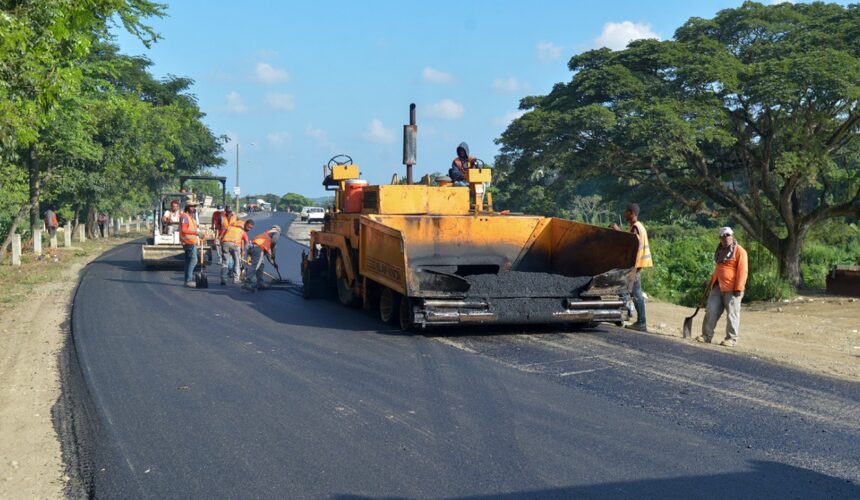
(344, 292)
(405, 316)
(389, 305)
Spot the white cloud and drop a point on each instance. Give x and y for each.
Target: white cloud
(267, 74)
(507, 118)
(616, 36)
(509, 84)
(267, 53)
(548, 51)
(777, 2)
(320, 136)
(446, 108)
(281, 102)
(435, 76)
(376, 132)
(279, 137)
(235, 103)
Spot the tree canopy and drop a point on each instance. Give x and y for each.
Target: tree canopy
(82, 125)
(752, 115)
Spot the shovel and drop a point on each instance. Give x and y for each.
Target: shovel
(688, 321)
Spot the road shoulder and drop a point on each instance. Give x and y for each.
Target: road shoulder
(34, 332)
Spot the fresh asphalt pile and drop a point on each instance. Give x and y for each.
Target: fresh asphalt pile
(520, 284)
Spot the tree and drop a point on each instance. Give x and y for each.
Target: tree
(752, 115)
(294, 202)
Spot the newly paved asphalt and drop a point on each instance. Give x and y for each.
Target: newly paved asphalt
(222, 393)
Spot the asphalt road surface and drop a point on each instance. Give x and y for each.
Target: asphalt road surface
(224, 393)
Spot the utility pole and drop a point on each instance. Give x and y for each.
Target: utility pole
(237, 178)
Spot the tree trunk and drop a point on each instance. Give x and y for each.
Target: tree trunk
(91, 221)
(35, 188)
(22, 212)
(76, 218)
(789, 257)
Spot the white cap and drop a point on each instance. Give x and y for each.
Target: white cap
(726, 231)
(276, 228)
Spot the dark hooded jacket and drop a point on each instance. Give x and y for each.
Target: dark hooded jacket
(457, 172)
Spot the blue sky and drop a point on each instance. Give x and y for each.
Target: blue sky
(306, 80)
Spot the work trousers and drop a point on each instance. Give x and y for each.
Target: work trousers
(254, 274)
(102, 229)
(230, 257)
(719, 301)
(190, 261)
(638, 300)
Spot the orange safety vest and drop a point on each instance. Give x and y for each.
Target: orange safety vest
(52, 220)
(643, 256)
(226, 223)
(264, 241)
(188, 230)
(459, 164)
(234, 233)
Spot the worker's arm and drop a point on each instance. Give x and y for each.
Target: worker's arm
(275, 236)
(742, 272)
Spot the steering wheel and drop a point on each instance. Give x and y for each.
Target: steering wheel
(338, 160)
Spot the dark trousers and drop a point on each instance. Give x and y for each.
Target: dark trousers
(102, 229)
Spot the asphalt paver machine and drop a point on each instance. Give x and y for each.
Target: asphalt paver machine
(436, 254)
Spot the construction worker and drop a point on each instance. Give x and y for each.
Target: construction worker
(51, 222)
(461, 163)
(262, 244)
(189, 236)
(102, 220)
(218, 228)
(643, 260)
(234, 246)
(170, 219)
(728, 280)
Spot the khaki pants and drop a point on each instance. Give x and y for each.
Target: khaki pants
(718, 302)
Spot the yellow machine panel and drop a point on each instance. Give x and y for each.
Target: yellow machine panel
(474, 175)
(416, 199)
(344, 172)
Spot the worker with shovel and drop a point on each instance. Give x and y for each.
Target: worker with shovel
(234, 245)
(262, 244)
(728, 282)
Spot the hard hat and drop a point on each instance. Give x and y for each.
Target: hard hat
(276, 228)
(191, 203)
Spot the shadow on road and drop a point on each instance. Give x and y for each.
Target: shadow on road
(765, 480)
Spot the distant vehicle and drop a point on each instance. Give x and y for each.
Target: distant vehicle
(303, 215)
(316, 214)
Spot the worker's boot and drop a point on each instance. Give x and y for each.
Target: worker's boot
(190, 284)
(249, 287)
(729, 343)
(262, 286)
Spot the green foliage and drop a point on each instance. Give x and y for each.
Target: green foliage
(752, 115)
(294, 202)
(91, 128)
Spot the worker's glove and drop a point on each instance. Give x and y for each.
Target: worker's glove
(737, 293)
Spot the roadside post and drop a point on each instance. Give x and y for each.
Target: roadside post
(82, 232)
(67, 235)
(16, 249)
(37, 242)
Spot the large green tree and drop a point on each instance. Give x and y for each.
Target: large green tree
(752, 114)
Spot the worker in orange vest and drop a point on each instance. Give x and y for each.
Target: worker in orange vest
(262, 244)
(234, 245)
(51, 222)
(643, 260)
(189, 236)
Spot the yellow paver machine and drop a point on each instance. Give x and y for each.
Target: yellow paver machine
(425, 255)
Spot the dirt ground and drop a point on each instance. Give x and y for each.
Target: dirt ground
(34, 310)
(817, 333)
